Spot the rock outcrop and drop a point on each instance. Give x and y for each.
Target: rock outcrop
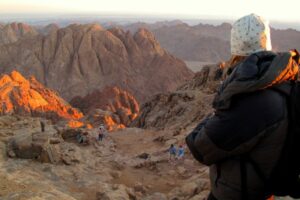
(19, 95)
(79, 59)
(10, 33)
(183, 108)
(112, 106)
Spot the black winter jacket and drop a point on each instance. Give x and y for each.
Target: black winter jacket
(252, 123)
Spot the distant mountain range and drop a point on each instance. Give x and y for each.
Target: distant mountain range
(208, 43)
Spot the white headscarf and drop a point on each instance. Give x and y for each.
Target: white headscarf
(250, 34)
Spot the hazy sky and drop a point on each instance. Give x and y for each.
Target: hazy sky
(288, 10)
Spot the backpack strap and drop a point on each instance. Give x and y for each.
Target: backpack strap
(244, 178)
(244, 159)
(257, 169)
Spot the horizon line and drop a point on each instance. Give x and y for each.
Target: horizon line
(129, 15)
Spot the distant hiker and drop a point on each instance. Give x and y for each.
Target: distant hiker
(82, 138)
(172, 152)
(42, 126)
(180, 154)
(101, 132)
(243, 141)
(79, 138)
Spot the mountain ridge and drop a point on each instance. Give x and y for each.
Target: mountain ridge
(210, 43)
(78, 59)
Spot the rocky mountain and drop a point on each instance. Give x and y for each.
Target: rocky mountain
(209, 43)
(47, 29)
(182, 109)
(284, 40)
(112, 106)
(22, 96)
(79, 59)
(134, 27)
(10, 33)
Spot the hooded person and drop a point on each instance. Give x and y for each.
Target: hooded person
(250, 118)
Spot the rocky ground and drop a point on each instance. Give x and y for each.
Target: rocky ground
(129, 164)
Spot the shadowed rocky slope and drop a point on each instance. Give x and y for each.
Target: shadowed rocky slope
(184, 108)
(79, 59)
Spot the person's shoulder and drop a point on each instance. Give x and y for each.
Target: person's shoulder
(264, 104)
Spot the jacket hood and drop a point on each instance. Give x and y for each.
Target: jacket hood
(259, 71)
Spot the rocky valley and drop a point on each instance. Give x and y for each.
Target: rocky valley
(105, 75)
(59, 85)
(130, 163)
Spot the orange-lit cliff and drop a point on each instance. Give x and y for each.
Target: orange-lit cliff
(19, 95)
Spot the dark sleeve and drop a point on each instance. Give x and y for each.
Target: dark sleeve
(191, 138)
(237, 130)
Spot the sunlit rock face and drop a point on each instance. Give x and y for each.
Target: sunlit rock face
(112, 106)
(19, 95)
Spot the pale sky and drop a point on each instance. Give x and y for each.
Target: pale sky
(288, 10)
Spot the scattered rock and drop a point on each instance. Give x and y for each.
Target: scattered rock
(138, 187)
(202, 196)
(156, 196)
(116, 174)
(190, 189)
(116, 193)
(144, 156)
(160, 139)
(181, 170)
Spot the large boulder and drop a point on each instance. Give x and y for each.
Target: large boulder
(39, 146)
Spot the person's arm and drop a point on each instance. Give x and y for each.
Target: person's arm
(237, 130)
(191, 138)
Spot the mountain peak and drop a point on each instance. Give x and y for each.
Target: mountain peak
(144, 33)
(78, 59)
(85, 27)
(18, 77)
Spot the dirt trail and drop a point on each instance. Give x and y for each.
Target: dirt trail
(159, 177)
